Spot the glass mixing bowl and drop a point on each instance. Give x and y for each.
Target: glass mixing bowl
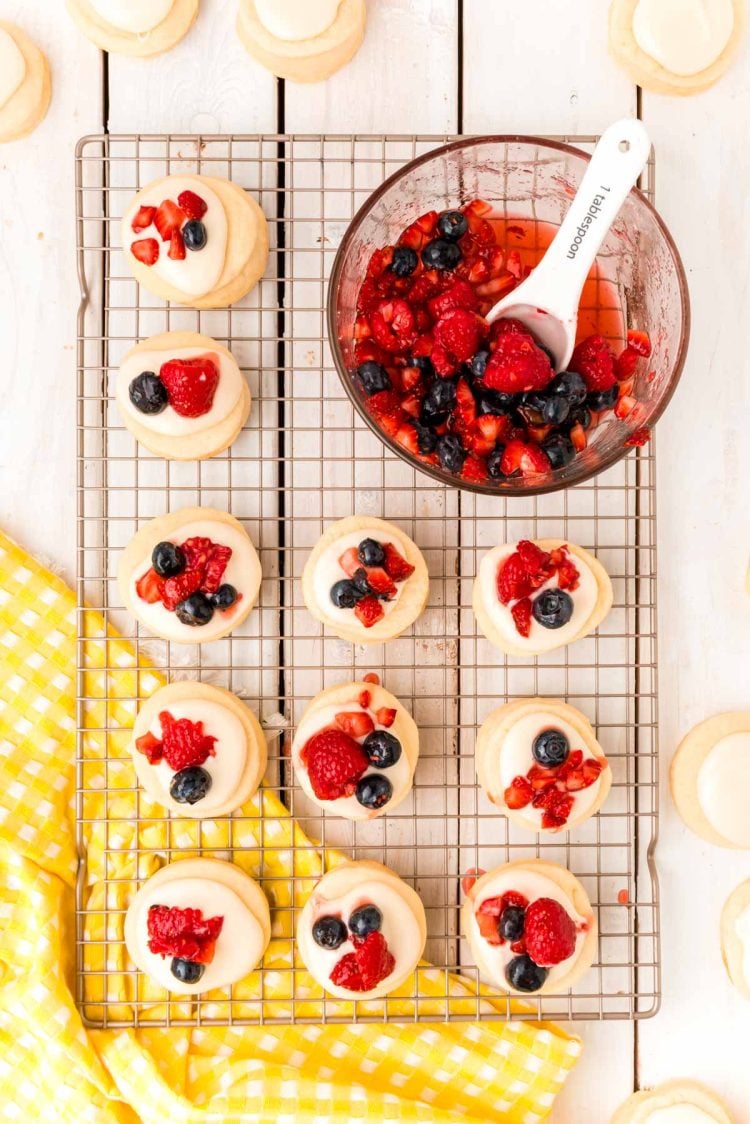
(533, 180)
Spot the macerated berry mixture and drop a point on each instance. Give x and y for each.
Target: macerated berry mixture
(481, 402)
(176, 223)
(183, 933)
(187, 580)
(367, 966)
(338, 757)
(373, 570)
(523, 572)
(183, 743)
(541, 934)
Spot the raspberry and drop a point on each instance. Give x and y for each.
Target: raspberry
(367, 966)
(395, 566)
(459, 332)
(191, 384)
(184, 743)
(521, 613)
(550, 933)
(206, 563)
(517, 365)
(183, 933)
(508, 326)
(639, 437)
(459, 295)
(594, 361)
(392, 324)
(335, 762)
(513, 580)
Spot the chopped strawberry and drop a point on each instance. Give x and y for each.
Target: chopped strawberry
(150, 587)
(191, 205)
(513, 581)
(182, 933)
(380, 583)
(355, 723)
(349, 561)
(550, 932)
(568, 576)
(183, 742)
(474, 468)
(593, 359)
(517, 365)
(578, 437)
(521, 613)
(392, 324)
(487, 925)
(639, 437)
(497, 287)
(367, 966)
(167, 219)
(145, 250)
(592, 769)
(385, 716)
(176, 246)
(406, 436)
(527, 459)
(334, 762)
(411, 406)
(626, 363)
(465, 410)
(485, 432)
(458, 295)
(191, 384)
(536, 562)
(519, 793)
(385, 407)
(639, 342)
(369, 611)
(364, 698)
(395, 565)
(472, 875)
(624, 406)
(143, 219)
(150, 747)
(490, 911)
(459, 333)
(371, 677)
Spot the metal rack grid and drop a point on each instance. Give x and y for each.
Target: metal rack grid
(302, 461)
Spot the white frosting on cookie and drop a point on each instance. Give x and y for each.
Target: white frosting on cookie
(167, 624)
(399, 927)
(296, 20)
(136, 16)
(240, 944)
(12, 67)
(723, 786)
(226, 767)
(680, 1114)
(199, 271)
(493, 959)
(169, 423)
(515, 759)
(328, 571)
(540, 639)
(399, 774)
(742, 930)
(683, 36)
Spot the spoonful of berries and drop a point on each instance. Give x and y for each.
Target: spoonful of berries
(547, 301)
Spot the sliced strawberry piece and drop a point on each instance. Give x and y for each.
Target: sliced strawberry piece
(513, 580)
(528, 459)
(497, 287)
(143, 219)
(593, 359)
(191, 205)
(364, 699)
(592, 769)
(578, 437)
(355, 723)
(167, 219)
(487, 924)
(145, 250)
(474, 468)
(385, 407)
(385, 716)
(150, 587)
(395, 564)
(379, 261)
(624, 406)
(349, 561)
(380, 583)
(407, 434)
(176, 246)
(412, 406)
(191, 384)
(521, 613)
(536, 562)
(485, 432)
(150, 747)
(519, 793)
(410, 378)
(473, 874)
(517, 365)
(625, 364)
(465, 409)
(639, 342)
(369, 611)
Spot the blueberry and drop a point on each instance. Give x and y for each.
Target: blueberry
(478, 364)
(555, 409)
(579, 415)
(190, 785)
(559, 449)
(148, 393)
(329, 932)
(452, 225)
(360, 582)
(553, 608)
(550, 748)
(570, 385)
(225, 597)
(195, 609)
(382, 749)
(524, 975)
(438, 401)
(603, 399)
(423, 362)
(493, 462)
(373, 377)
(374, 791)
(510, 926)
(168, 559)
(345, 595)
(426, 438)
(533, 400)
(451, 452)
(366, 919)
(195, 235)
(371, 553)
(441, 254)
(404, 262)
(186, 971)
(496, 402)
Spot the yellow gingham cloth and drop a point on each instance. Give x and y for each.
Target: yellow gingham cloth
(52, 1068)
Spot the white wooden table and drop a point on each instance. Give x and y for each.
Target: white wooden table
(536, 66)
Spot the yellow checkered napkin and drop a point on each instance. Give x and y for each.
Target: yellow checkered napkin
(52, 1069)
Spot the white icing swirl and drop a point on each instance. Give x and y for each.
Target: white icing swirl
(328, 571)
(199, 271)
(683, 36)
(680, 1114)
(297, 20)
(540, 639)
(723, 786)
(135, 16)
(169, 423)
(12, 67)
(240, 944)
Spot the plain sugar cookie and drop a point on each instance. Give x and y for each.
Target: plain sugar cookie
(302, 40)
(191, 576)
(198, 924)
(735, 937)
(373, 740)
(182, 395)
(200, 241)
(362, 931)
(134, 27)
(675, 46)
(539, 762)
(533, 597)
(25, 84)
(662, 1105)
(198, 750)
(366, 580)
(710, 779)
(541, 904)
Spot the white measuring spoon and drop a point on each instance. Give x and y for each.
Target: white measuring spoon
(547, 301)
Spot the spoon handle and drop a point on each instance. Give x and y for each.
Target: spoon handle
(616, 163)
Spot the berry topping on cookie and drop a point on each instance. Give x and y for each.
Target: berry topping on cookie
(148, 393)
(334, 762)
(182, 743)
(192, 587)
(191, 384)
(145, 250)
(491, 912)
(374, 792)
(374, 571)
(178, 223)
(524, 975)
(367, 966)
(329, 932)
(524, 572)
(553, 779)
(183, 933)
(366, 919)
(190, 785)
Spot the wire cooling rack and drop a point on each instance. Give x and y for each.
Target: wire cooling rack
(303, 460)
